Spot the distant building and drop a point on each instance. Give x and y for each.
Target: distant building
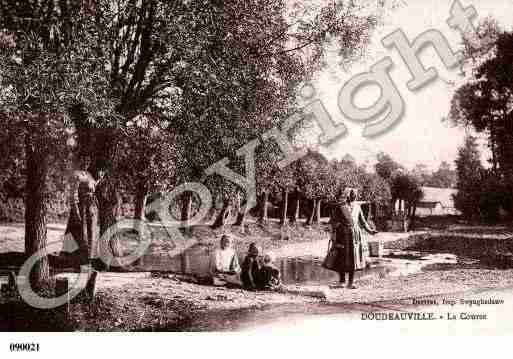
(437, 202)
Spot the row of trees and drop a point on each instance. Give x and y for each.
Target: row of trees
(304, 187)
(443, 177)
(314, 181)
(405, 185)
(153, 91)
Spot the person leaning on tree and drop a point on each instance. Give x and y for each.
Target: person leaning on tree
(83, 206)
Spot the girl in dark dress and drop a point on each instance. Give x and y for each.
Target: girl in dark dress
(250, 274)
(269, 274)
(346, 220)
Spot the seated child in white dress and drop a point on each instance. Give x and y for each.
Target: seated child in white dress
(224, 264)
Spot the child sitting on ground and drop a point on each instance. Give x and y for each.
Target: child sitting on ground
(269, 274)
(224, 265)
(250, 275)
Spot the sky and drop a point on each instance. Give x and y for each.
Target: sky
(421, 136)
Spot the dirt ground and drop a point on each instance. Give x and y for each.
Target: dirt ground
(146, 301)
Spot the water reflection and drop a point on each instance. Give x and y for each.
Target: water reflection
(308, 270)
(194, 261)
(303, 270)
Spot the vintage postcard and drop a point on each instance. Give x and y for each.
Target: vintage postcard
(255, 166)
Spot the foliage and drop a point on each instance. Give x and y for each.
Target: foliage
(149, 156)
(421, 174)
(405, 187)
(208, 76)
(484, 101)
(444, 177)
(375, 189)
(386, 166)
(46, 67)
(481, 193)
(494, 196)
(470, 174)
(48, 64)
(314, 176)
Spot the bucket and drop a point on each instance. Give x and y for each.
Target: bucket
(376, 249)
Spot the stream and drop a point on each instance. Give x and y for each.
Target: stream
(302, 270)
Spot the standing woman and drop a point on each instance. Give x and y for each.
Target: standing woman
(346, 252)
(360, 225)
(89, 211)
(83, 214)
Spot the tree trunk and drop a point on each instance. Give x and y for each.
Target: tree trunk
(264, 217)
(293, 210)
(412, 219)
(186, 207)
(139, 214)
(241, 214)
(317, 210)
(35, 211)
(310, 219)
(285, 207)
(298, 208)
(187, 211)
(239, 202)
(240, 220)
(223, 215)
(140, 204)
(493, 147)
(108, 203)
(88, 238)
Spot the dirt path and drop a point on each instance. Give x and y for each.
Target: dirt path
(12, 236)
(453, 314)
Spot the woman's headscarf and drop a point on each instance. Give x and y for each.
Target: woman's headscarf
(253, 249)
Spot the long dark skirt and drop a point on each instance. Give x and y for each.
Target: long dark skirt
(89, 223)
(350, 252)
(73, 238)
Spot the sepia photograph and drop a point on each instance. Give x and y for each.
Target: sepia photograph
(254, 167)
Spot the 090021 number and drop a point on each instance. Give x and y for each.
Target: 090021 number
(24, 347)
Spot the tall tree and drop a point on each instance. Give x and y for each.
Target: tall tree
(316, 180)
(483, 101)
(149, 160)
(470, 172)
(386, 166)
(405, 187)
(46, 66)
(227, 69)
